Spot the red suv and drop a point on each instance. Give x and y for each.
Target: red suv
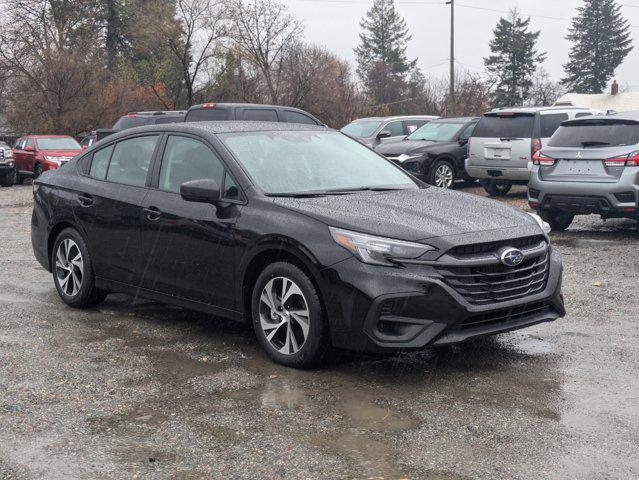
(35, 154)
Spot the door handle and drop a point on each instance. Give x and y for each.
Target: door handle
(152, 213)
(85, 200)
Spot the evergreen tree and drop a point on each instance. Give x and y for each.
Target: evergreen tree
(514, 59)
(601, 40)
(382, 65)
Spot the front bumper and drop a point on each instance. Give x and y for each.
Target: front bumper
(412, 308)
(497, 172)
(582, 198)
(7, 167)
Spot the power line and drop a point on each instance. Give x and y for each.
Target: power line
(506, 11)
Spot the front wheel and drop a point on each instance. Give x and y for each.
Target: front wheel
(288, 318)
(496, 188)
(442, 174)
(8, 180)
(72, 271)
(558, 221)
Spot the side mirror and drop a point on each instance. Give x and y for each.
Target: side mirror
(29, 148)
(384, 134)
(202, 191)
(463, 141)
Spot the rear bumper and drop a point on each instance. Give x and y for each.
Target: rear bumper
(582, 198)
(497, 172)
(419, 311)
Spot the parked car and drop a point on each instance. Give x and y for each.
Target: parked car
(314, 238)
(7, 166)
(35, 154)
(435, 153)
(89, 140)
(373, 131)
(249, 112)
(502, 145)
(590, 166)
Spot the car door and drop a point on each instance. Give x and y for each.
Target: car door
(396, 130)
(189, 246)
(109, 206)
(28, 155)
(18, 153)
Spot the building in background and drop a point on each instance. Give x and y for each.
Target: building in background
(615, 100)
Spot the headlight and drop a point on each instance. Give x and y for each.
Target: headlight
(544, 226)
(55, 160)
(377, 250)
(405, 157)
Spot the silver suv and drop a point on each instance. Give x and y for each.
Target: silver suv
(590, 165)
(7, 166)
(372, 131)
(505, 140)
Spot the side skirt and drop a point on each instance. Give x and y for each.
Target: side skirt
(119, 287)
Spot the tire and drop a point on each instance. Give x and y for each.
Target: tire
(496, 188)
(8, 180)
(293, 340)
(558, 221)
(64, 264)
(442, 174)
(37, 171)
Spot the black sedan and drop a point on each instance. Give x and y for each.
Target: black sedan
(436, 152)
(311, 236)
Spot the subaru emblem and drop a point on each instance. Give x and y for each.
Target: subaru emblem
(511, 257)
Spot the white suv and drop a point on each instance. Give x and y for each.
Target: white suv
(501, 148)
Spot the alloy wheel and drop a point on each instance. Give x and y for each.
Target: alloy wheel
(284, 315)
(69, 267)
(444, 176)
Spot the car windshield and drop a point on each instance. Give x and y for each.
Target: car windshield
(58, 144)
(436, 132)
(596, 133)
(298, 162)
(361, 128)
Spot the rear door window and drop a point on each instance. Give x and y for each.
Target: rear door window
(297, 117)
(596, 133)
(207, 114)
(550, 123)
(498, 126)
(259, 115)
(131, 160)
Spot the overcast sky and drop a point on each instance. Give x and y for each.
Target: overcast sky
(335, 25)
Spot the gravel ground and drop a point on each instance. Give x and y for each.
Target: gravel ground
(135, 389)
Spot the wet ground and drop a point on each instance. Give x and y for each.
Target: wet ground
(135, 389)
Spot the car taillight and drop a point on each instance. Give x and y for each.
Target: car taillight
(536, 146)
(630, 160)
(543, 160)
(208, 105)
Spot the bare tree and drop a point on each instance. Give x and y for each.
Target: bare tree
(263, 30)
(544, 90)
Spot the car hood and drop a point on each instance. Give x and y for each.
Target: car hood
(411, 215)
(61, 153)
(404, 147)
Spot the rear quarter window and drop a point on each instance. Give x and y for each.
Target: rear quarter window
(550, 123)
(493, 126)
(588, 134)
(259, 115)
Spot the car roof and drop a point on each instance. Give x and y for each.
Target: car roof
(218, 127)
(536, 109)
(176, 113)
(632, 116)
(398, 117)
(250, 105)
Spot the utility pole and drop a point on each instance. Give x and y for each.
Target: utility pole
(451, 93)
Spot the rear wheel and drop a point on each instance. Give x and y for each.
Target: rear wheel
(558, 221)
(288, 318)
(442, 174)
(496, 188)
(72, 271)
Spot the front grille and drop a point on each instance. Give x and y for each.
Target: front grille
(492, 247)
(522, 312)
(482, 284)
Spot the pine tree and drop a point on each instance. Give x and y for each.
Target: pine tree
(601, 40)
(514, 59)
(382, 65)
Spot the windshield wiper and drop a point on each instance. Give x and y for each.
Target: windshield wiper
(594, 143)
